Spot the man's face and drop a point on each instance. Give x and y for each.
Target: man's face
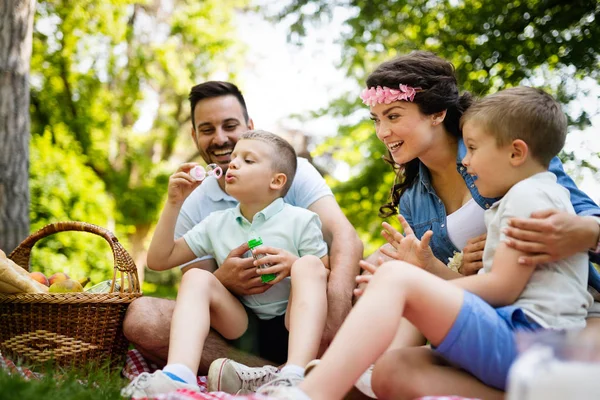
(219, 124)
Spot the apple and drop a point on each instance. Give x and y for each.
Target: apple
(57, 277)
(40, 277)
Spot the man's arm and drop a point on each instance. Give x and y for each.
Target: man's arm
(345, 250)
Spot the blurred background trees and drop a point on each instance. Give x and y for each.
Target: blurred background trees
(109, 84)
(494, 44)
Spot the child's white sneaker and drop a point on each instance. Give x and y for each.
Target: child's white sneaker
(149, 385)
(283, 380)
(286, 393)
(225, 375)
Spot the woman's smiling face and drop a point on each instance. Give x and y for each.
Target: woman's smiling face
(404, 129)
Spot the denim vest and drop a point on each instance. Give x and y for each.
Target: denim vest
(424, 210)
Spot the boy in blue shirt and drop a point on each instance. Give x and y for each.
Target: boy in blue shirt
(510, 136)
(259, 174)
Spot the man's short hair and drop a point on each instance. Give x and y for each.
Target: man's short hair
(525, 113)
(212, 89)
(283, 158)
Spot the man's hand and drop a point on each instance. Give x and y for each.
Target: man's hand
(473, 255)
(239, 275)
(550, 235)
(407, 247)
(280, 262)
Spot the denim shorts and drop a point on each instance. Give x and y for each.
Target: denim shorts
(482, 339)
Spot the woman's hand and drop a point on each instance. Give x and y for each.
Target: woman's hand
(280, 262)
(364, 279)
(181, 184)
(551, 235)
(473, 255)
(407, 247)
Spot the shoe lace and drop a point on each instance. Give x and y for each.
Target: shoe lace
(287, 380)
(255, 377)
(139, 382)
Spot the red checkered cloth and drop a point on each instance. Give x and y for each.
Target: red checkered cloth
(10, 367)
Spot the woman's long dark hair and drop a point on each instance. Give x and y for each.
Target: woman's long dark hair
(439, 91)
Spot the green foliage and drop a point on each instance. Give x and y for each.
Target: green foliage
(64, 189)
(99, 71)
(493, 44)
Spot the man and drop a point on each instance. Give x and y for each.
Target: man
(219, 117)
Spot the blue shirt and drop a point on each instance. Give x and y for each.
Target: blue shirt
(424, 210)
(279, 225)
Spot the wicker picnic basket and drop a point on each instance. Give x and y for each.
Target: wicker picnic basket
(69, 329)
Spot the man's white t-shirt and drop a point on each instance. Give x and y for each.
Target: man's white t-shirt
(308, 186)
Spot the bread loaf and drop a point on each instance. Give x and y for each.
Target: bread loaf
(15, 279)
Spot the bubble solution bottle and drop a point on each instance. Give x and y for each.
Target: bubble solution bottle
(253, 242)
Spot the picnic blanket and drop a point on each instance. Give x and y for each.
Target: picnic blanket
(135, 364)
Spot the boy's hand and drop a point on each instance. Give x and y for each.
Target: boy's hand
(407, 247)
(473, 255)
(181, 184)
(281, 262)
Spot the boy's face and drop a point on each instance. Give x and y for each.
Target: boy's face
(250, 174)
(486, 161)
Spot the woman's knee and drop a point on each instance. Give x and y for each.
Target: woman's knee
(397, 271)
(396, 375)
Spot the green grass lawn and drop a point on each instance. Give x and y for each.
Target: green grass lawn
(100, 384)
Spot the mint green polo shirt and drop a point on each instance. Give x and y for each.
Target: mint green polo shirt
(280, 225)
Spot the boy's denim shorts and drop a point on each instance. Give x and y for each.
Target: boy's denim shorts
(482, 339)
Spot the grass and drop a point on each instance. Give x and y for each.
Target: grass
(100, 383)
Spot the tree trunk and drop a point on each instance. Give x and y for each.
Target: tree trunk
(16, 31)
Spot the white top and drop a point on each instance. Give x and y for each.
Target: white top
(465, 223)
(556, 295)
(279, 225)
(308, 186)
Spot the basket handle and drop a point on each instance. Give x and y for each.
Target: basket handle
(122, 260)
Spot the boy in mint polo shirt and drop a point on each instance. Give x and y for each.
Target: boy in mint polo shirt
(260, 173)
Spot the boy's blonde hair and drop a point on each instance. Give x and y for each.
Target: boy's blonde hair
(525, 113)
(283, 158)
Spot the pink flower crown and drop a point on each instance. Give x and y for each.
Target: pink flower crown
(386, 95)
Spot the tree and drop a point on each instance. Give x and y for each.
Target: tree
(494, 44)
(16, 27)
(100, 69)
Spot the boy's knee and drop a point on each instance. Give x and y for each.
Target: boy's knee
(310, 266)
(198, 278)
